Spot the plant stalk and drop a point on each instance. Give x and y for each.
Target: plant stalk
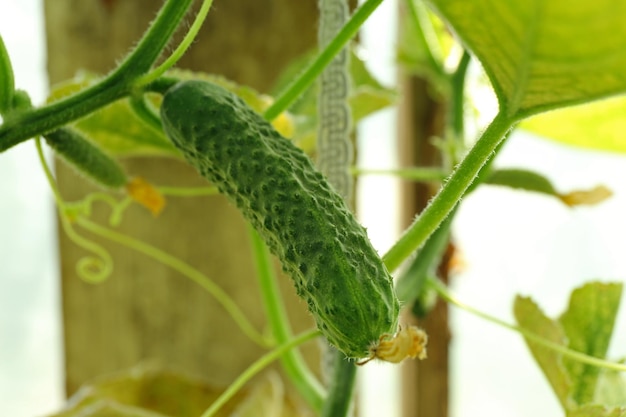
(116, 85)
(310, 74)
(450, 194)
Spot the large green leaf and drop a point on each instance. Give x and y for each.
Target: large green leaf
(544, 54)
(599, 125)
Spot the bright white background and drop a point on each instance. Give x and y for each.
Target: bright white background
(512, 242)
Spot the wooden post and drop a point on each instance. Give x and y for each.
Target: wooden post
(146, 311)
(424, 383)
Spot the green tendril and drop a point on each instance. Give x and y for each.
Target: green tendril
(93, 269)
(184, 269)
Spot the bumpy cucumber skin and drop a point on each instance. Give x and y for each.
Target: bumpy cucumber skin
(86, 157)
(304, 222)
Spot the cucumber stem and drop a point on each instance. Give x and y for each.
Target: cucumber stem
(111, 88)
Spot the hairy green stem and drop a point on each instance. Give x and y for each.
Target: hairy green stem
(450, 194)
(153, 42)
(111, 88)
(181, 49)
(257, 367)
(292, 362)
(310, 74)
(444, 293)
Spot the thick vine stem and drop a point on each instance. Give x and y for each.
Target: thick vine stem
(450, 194)
(116, 85)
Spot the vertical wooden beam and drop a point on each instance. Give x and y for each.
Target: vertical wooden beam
(146, 311)
(424, 383)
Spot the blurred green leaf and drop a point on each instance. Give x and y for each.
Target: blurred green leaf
(599, 125)
(530, 317)
(542, 55)
(424, 43)
(611, 388)
(597, 411)
(521, 179)
(526, 180)
(588, 324)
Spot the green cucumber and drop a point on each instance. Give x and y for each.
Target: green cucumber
(86, 157)
(303, 220)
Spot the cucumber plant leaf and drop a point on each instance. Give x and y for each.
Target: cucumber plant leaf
(423, 43)
(599, 125)
(586, 326)
(522, 179)
(541, 55)
(529, 316)
(611, 388)
(597, 411)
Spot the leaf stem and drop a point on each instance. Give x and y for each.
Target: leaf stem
(257, 367)
(450, 194)
(444, 293)
(310, 74)
(294, 365)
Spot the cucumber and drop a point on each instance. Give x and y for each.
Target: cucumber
(305, 223)
(86, 157)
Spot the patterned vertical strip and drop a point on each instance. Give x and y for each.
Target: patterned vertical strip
(334, 147)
